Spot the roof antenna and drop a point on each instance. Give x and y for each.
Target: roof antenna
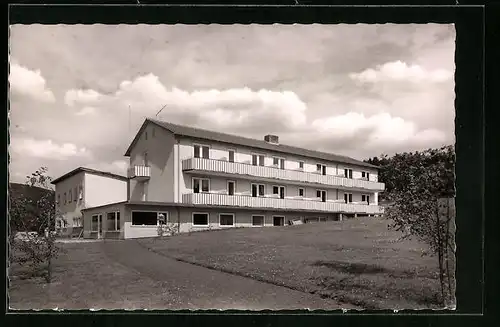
(156, 116)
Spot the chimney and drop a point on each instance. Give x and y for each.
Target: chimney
(273, 139)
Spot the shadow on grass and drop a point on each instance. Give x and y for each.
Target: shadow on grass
(352, 268)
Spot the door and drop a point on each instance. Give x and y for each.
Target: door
(282, 192)
(99, 226)
(230, 188)
(323, 170)
(321, 194)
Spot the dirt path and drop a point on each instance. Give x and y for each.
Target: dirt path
(202, 288)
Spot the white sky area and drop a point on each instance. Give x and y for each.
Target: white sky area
(79, 93)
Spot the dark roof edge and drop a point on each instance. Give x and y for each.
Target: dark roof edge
(159, 123)
(104, 205)
(90, 171)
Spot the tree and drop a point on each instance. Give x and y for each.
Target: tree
(26, 213)
(414, 184)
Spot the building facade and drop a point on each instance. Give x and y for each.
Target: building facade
(197, 179)
(83, 188)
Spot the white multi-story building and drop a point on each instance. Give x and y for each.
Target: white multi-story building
(198, 179)
(83, 188)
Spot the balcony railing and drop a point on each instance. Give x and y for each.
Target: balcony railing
(139, 172)
(221, 166)
(277, 203)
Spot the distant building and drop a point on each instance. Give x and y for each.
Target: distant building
(83, 188)
(198, 179)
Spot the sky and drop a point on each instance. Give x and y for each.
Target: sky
(79, 93)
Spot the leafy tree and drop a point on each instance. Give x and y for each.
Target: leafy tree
(414, 184)
(40, 214)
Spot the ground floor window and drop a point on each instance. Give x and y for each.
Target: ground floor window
(144, 218)
(257, 220)
(278, 221)
(200, 219)
(226, 219)
(95, 223)
(113, 221)
(77, 222)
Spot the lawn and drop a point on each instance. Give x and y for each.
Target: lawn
(85, 278)
(355, 261)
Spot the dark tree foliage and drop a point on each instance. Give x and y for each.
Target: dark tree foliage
(415, 182)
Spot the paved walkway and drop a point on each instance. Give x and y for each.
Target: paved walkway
(202, 288)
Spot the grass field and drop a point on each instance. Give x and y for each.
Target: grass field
(356, 261)
(84, 277)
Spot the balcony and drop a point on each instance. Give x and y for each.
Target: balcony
(139, 173)
(277, 203)
(266, 172)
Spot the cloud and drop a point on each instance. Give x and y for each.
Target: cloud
(229, 108)
(47, 149)
(29, 83)
(81, 96)
(399, 71)
(379, 131)
(86, 111)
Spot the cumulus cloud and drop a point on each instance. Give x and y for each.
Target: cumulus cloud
(399, 71)
(81, 96)
(86, 111)
(235, 108)
(380, 130)
(29, 83)
(47, 149)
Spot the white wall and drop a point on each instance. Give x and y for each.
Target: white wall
(71, 210)
(101, 190)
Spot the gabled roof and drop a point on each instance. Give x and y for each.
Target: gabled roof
(244, 141)
(90, 171)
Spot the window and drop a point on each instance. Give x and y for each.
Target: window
(144, 218)
(59, 199)
(200, 219)
(279, 190)
(365, 198)
(257, 220)
(257, 160)
(65, 199)
(279, 162)
(201, 151)
(70, 197)
(347, 197)
(231, 155)
(81, 193)
(146, 135)
(77, 222)
(75, 194)
(301, 164)
(226, 219)
(230, 187)
(348, 173)
(95, 223)
(301, 192)
(145, 159)
(201, 185)
(321, 194)
(113, 221)
(365, 175)
(162, 218)
(321, 169)
(258, 190)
